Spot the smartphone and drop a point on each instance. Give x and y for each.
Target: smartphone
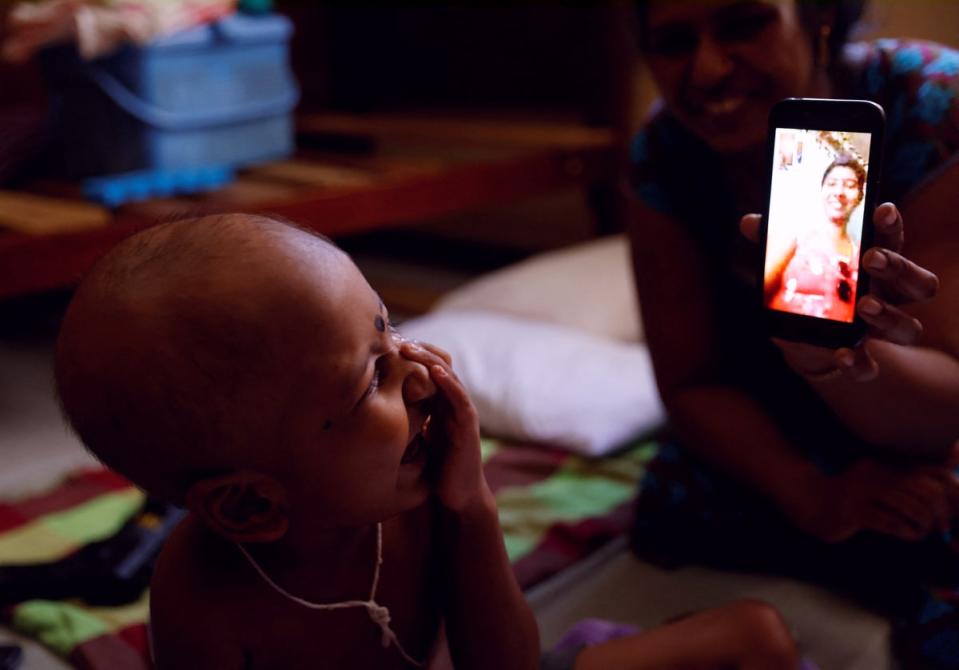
(823, 168)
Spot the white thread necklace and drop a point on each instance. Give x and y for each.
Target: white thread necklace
(379, 614)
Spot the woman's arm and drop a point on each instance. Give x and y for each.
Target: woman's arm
(912, 405)
(894, 395)
(721, 424)
(728, 428)
(777, 260)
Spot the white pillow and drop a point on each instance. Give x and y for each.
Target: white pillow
(546, 383)
(588, 287)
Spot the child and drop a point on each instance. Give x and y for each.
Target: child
(339, 516)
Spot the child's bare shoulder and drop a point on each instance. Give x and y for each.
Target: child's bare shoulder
(194, 586)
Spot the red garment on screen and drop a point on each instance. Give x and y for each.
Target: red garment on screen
(819, 282)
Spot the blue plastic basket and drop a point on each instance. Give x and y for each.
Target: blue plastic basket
(218, 95)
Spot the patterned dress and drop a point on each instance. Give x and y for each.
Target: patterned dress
(688, 512)
(818, 281)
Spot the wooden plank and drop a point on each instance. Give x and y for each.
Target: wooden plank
(41, 215)
(34, 263)
(314, 173)
(513, 133)
(242, 195)
(31, 264)
(458, 189)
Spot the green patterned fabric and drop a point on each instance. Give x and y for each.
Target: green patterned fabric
(555, 508)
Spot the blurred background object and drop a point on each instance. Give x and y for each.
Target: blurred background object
(158, 97)
(395, 100)
(98, 27)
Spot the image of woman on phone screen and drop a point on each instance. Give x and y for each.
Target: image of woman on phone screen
(833, 465)
(817, 275)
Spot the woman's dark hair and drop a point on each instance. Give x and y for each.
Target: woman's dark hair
(812, 13)
(851, 162)
(846, 14)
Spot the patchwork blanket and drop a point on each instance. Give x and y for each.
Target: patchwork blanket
(555, 509)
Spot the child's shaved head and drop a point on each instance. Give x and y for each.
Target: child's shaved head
(169, 357)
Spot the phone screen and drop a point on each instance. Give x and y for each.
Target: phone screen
(814, 231)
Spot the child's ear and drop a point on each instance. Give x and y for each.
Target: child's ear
(241, 506)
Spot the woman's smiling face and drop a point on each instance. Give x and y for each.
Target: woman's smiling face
(721, 65)
(841, 193)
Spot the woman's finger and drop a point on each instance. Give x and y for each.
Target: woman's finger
(888, 521)
(911, 506)
(945, 473)
(930, 493)
(887, 222)
(888, 322)
(749, 226)
(943, 504)
(950, 481)
(901, 279)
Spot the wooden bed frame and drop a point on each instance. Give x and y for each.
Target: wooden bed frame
(420, 168)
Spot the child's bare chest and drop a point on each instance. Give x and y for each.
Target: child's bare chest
(344, 639)
(283, 634)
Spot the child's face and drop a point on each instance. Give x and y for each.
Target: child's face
(357, 408)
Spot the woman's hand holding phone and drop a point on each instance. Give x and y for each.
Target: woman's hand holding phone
(896, 281)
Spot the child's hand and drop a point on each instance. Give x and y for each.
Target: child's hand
(453, 438)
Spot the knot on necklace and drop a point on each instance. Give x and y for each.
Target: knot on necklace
(381, 617)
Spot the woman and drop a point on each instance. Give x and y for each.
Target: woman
(834, 465)
(816, 276)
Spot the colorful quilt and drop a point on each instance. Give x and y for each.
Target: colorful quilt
(555, 509)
